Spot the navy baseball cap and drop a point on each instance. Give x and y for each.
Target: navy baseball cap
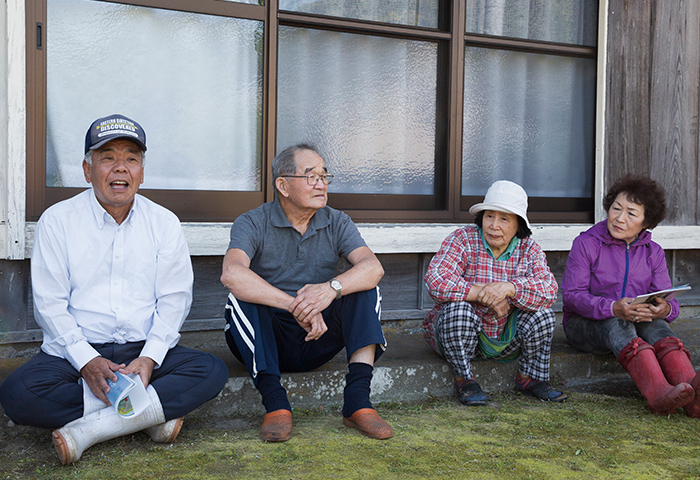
(106, 129)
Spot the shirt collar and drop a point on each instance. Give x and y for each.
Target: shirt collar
(101, 215)
(505, 255)
(278, 218)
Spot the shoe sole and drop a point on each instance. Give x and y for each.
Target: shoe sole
(275, 439)
(62, 449)
(528, 393)
(350, 424)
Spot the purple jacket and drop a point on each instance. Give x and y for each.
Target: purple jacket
(601, 270)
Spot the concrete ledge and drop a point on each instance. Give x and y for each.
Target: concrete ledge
(408, 372)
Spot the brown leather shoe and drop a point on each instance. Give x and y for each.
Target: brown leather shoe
(277, 426)
(369, 423)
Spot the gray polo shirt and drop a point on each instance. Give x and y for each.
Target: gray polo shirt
(285, 259)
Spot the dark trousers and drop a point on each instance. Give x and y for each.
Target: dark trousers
(44, 392)
(611, 335)
(270, 340)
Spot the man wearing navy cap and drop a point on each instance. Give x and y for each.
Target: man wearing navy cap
(112, 285)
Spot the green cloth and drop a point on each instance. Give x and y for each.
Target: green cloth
(492, 347)
(506, 254)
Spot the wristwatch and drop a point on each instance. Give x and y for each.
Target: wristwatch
(335, 285)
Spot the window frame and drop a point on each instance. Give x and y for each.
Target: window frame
(446, 205)
(540, 209)
(404, 208)
(189, 205)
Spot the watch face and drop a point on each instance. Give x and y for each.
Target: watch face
(335, 284)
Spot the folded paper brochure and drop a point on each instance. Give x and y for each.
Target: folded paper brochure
(128, 395)
(668, 294)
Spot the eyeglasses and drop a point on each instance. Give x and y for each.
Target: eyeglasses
(313, 178)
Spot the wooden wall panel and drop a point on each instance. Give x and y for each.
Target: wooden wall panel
(400, 287)
(653, 99)
(675, 72)
(208, 294)
(14, 287)
(400, 284)
(405, 297)
(685, 268)
(627, 115)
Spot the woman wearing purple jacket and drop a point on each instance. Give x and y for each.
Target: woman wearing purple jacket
(610, 264)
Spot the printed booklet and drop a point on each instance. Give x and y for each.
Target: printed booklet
(668, 294)
(128, 395)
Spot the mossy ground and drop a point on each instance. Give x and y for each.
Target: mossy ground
(515, 437)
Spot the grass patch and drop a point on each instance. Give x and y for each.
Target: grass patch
(589, 436)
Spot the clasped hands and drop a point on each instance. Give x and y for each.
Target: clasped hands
(96, 372)
(495, 296)
(641, 312)
(311, 300)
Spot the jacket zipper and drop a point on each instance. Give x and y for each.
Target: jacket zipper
(627, 270)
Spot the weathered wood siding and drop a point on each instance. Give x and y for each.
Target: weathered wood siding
(404, 295)
(652, 98)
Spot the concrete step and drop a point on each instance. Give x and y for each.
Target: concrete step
(409, 371)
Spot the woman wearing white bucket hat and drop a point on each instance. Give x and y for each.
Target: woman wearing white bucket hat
(493, 291)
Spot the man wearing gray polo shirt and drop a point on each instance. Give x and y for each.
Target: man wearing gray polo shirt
(287, 310)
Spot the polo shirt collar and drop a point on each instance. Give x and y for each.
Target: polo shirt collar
(278, 219)
(505, 255)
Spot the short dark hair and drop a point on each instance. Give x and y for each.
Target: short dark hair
(523, 230)
(644, 191)
(284, 164)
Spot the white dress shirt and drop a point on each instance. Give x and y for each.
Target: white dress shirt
(95, 281)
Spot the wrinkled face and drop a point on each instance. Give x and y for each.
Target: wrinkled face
(116, 174)
(297, 190)
(499, 228)
(625, 219)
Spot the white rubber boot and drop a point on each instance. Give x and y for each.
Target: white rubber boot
(91, 403)
(163, 432)
(74, 438)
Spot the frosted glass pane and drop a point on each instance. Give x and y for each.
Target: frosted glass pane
(563, 21)
(420, 13)
(368, 103)
(193, 81)
(528, 118)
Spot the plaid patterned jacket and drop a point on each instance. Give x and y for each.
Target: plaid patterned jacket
(462, 261)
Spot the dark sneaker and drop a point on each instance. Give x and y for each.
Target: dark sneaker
(538, 389)
(470, 393)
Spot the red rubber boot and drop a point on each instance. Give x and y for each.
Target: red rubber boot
(639, 359)
(674, 359)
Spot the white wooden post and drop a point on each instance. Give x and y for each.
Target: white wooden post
(13, 128)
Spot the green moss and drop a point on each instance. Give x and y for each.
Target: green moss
(589, 436)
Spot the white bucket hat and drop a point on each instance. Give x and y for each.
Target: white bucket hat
(504, 196)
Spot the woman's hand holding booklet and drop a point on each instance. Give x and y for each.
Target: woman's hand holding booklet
(667, 294)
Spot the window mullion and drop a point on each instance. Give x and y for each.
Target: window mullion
(456, 105)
